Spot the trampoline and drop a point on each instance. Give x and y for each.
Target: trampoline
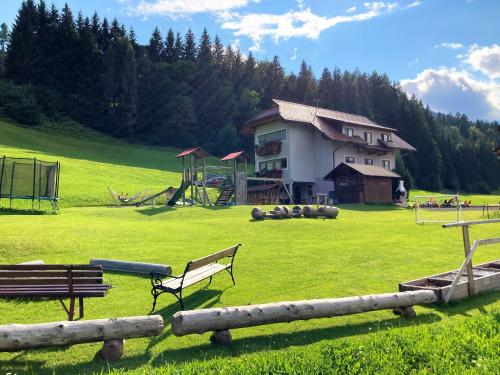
(29, 179)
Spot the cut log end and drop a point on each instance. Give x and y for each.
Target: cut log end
(405, 312)
(222, 337)
(112, 350)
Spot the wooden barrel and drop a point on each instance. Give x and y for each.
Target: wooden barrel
(310, 211)
(329, 212)
(297, 211)
(258, 213)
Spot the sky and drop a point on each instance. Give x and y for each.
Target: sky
(446, 52)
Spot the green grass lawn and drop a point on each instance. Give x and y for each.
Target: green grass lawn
(367, 249)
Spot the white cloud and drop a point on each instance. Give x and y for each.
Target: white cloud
(300, 23)
(485, 60)
(300, 4)
(294, 54)
(449, 45)
(413, 62)
(453, 90)
(414, 4)
(180, 8)
(351, 9)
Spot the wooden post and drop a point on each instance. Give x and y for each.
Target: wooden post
(470, 274)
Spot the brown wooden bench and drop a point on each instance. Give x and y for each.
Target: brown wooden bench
(195, 271)
(53, 281)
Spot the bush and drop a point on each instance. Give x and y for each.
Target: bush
(19, 103)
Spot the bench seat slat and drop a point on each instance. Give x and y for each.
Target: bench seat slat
(42, 274)
(51, 293)
(41, 267)
(60, 286)
(49, 281)
(195, 276)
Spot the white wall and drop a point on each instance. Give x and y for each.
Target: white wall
(285, 148)
(310, 156)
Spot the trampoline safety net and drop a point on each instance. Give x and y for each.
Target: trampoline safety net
(23, 178)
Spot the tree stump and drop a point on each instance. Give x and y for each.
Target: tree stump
(405, 312)
(222, 337)
(112, 350)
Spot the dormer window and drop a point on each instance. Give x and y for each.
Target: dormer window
(386, 137)
(348, 131)
(368, 137)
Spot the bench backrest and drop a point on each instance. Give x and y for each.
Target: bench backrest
(50, 274)
(198, 263)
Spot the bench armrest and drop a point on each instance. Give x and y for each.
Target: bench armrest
(157, 278)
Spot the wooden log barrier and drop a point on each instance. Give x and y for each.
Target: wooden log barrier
(225, 318)
(132, 267)
(16, 337)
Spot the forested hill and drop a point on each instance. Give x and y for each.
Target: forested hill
(183, 90)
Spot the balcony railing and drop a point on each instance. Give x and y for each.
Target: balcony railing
(268, 148)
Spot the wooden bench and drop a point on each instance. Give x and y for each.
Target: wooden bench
(53, 281)
(195, 271)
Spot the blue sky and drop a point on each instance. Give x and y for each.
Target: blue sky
(445, 51)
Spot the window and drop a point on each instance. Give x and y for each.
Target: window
(368, 137)
(386, 137)
(279, 135)
(269, 165)
(348, 131)
(386, 164)
(368, 161)
(350, 159)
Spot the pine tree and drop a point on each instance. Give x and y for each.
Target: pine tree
(155, 48)
(325, 89)
(189, 47)
(273, 82)
(169, 51)
(4, 36)
(21, 51)
(218, 51)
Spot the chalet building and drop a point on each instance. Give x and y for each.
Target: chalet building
(316, 150)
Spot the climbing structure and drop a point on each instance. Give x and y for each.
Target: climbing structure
(234, 185)
(193, 187)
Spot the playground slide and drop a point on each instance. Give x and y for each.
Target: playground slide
(142, 201)
(177, 195)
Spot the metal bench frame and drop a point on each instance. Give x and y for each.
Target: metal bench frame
(157, 287)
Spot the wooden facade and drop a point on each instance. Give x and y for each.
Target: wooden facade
(365, 184)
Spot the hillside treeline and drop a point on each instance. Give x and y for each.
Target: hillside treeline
(183, 90)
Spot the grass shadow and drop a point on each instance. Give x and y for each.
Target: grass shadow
(465, 306)
(19, 211)
(369, 207)
(203, 298)
(151, 211)
(284, 340)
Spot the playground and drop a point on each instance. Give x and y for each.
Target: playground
(366, 250)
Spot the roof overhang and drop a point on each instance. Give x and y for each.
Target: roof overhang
(365, 170)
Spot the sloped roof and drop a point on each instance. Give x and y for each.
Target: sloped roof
(398, 142)
(240, 155)
(366, 170)
(320, 118)
(198, 152)
(289, 111)
(306, 113)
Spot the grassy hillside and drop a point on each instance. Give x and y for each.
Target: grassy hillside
(90, 162)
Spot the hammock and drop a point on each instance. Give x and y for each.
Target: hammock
(124, 198)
